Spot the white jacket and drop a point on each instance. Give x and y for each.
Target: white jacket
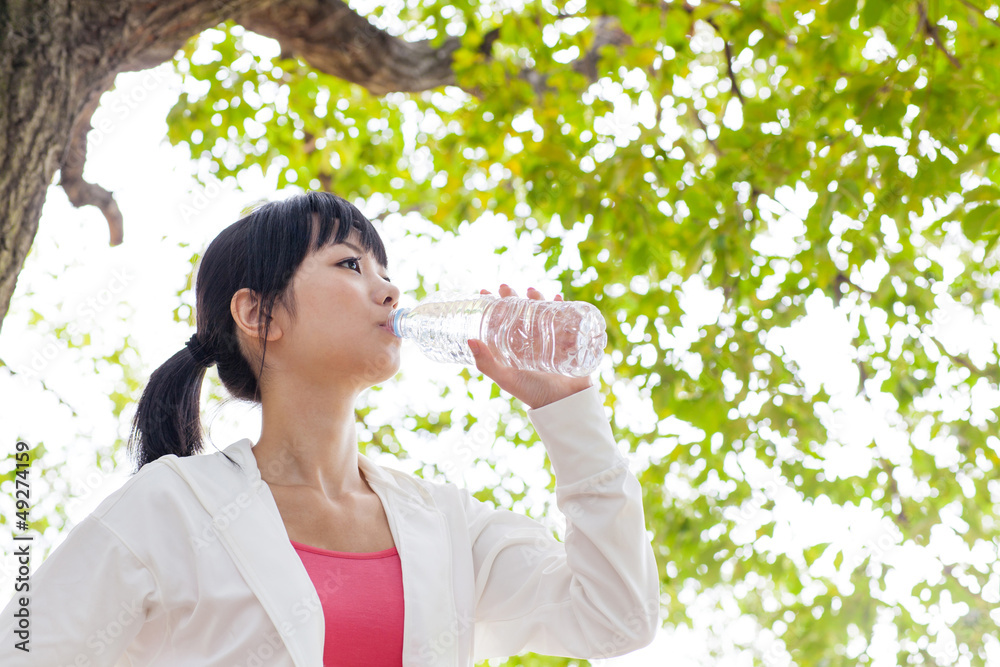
(188, 565)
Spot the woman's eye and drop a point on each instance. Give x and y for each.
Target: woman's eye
(353, 260)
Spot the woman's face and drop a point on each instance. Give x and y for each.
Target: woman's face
(342, 297)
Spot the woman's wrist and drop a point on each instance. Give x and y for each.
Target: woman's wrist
(564, 391)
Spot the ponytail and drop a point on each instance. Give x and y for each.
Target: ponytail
(168, 419)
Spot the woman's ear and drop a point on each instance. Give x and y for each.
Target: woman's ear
(245, 307)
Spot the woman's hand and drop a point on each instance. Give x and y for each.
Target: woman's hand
(533, 388)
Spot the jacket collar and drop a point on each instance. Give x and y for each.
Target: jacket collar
(242, 451)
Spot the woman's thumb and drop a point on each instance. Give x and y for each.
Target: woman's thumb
(482, 356)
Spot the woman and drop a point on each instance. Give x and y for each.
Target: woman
(298, 549)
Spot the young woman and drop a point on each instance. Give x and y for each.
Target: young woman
(298, 549)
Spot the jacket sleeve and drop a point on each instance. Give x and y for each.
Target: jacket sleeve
(597, 594)
(86, 603)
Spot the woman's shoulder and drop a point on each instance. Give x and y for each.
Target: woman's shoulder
(435, 492)
(157, 486)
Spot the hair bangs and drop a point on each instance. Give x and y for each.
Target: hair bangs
(332, 213)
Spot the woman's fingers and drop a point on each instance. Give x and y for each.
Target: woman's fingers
(506, 290)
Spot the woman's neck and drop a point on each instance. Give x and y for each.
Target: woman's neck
(308, 439)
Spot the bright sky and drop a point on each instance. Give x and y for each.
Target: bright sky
(73, 278)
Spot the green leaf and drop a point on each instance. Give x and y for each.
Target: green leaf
(981, 222)
(838, 11)
(982, 193)
(873, 11)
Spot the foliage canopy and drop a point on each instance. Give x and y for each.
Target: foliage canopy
(785, 158)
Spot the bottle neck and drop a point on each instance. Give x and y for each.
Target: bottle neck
(396, 321)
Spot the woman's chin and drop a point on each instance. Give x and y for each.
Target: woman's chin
(380, 368)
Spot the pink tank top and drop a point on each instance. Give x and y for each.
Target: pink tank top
(362, 598)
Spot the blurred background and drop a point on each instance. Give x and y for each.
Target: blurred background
(786, 213)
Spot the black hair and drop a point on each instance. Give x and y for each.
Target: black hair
(261, 251)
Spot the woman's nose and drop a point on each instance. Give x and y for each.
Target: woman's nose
(392, 296)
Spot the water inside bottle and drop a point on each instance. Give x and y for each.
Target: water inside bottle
(550, 336)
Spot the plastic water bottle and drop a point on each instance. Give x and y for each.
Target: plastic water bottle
(565, 337)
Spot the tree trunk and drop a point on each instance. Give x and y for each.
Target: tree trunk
(34, 123)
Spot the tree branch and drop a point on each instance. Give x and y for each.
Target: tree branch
(729, 61)
(980, 12)
(894, 493)
(704, 128)
(607, 31)
(145, 36)
(932, 30)
(79, 191)
(334, 39)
